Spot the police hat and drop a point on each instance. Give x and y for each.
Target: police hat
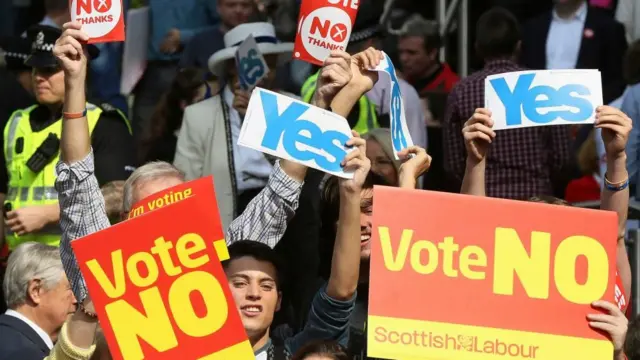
(43, 39)
(367, 24)
(15, 50)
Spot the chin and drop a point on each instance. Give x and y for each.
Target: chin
(365, 254)
(46, 99)
(253, 327)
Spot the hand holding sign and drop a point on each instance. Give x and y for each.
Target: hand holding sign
(362, 65)
(478, 134)
(616, 127)
(250, 63)
(70, 52)
(357, 162)
(334, 75)
(615, 323)
(240, 100)
(416, 162)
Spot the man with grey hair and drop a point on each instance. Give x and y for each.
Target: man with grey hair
(39, 299)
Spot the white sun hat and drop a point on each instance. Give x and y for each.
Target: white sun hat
(265, 35)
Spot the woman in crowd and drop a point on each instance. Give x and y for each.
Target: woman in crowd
(586, 188)
(159, 142)
(380, 152)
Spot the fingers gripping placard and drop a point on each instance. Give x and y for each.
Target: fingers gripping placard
(159, 288)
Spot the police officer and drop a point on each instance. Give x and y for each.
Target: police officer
(31, 147)
(15, 78)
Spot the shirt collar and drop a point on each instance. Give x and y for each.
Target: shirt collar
(263, 349)
(579, 15)
(45, 337)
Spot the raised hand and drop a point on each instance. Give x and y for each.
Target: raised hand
(334, 75)
(416, 162)
(70, 52)
(240, 99)
(478, 134)
(616, 127)
(356, 161)
(361, 64)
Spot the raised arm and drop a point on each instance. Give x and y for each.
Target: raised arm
(478, 135)
(616, 127)
(82, 209)
(266, 217)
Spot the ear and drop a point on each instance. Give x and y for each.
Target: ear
(279, 303)
(34, 291)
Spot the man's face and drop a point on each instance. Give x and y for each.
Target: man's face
(253, 285)
(268, 82)
(48, 85)
(55, 305)
(366, 212)
(414, 59)
(235, 12)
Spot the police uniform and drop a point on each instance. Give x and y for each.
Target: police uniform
(13, 96)
(31, 142)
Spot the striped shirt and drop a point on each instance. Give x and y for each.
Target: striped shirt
(82, 212)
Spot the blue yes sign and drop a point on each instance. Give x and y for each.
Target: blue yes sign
(543, 97)
(250, 63)
(290, 129)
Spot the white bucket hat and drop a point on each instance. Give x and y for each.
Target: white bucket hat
(265, 35)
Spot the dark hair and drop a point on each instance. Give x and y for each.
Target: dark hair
(329, 213)
(428, 30)
(56, 5)
(258, 251)
(167, 116)
(631, 66)
(497, 34)
(632, 340)
(330, 349)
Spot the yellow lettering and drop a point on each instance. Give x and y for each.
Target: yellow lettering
(215, 302)
(416, 252)
(162, 248)
(448, 247)
(511, 257)
(394, 263)
(112, 289)
(134, 273)
(187, 192)
(154, 326)
(185, 252)
(138, 211)
(466, 261)
(565, 269)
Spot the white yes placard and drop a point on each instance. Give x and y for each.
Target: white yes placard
(291, 129)
(539, 98)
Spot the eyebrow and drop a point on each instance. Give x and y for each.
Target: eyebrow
(366, 203)
(247, 278)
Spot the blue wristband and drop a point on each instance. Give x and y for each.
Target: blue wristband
(612, 187)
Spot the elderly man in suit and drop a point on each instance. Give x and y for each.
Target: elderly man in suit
(39, 299)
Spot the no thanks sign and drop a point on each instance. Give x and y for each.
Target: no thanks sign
(324, 25)
(102, 20)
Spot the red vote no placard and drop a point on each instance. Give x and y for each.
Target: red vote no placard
(158, 285)
(323, 26)
(464, 277)
(102, 20)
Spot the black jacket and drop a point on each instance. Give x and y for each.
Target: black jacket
(19, 341)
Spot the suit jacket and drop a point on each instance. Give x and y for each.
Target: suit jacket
(19, 341)
(602, 48)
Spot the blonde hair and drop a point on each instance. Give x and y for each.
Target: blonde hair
(588, 160)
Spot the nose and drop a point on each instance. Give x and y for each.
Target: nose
(365, 222)
(253, 292)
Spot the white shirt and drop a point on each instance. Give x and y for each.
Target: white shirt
(45, 337)
(252, 167)
(565, 38)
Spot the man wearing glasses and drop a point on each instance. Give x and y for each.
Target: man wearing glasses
(31, 142)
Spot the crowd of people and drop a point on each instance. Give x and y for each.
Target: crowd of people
(77, 156)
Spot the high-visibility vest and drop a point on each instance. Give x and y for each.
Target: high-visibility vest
(25, 187)
(367, 118)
